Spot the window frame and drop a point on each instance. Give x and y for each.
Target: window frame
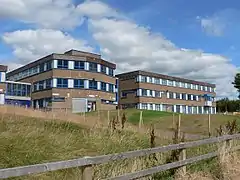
(63, 64)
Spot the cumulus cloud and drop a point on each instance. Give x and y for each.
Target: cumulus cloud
(29, 45)
(133, 47)
(126, 43)
(44, 13)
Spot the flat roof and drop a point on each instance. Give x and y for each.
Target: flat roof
(68, 55)
(162, 76)
(3, 68)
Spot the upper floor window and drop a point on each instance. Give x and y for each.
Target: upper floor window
(78, 83)
(184, 96)
(79, 65)
(188, 86)
(62, 64)
(48, 83)
(194, 86)
(103, 86)
(41, 67)
(177, 84)
(93, 67)
(164, 82)
(92, 84)
(143, 79)
(40, 85)
(144, 92)
(157, 81)
(170, 95)
(49, 65)
(178, 96)
(62, 83)
(103, 69)
(35, 86)
(150, 92)
(110, 71)
(150, 80)
(111, 87)
(170, 83)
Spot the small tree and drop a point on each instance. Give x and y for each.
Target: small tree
(236, 83)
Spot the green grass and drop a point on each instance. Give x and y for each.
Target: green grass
(193, 124)
(26, 141)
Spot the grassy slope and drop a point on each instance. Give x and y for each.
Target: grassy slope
(193, 124)
(25, 141)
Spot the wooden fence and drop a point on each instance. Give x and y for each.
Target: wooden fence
(87, 163)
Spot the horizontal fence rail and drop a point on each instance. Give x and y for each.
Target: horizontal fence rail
(89, 161)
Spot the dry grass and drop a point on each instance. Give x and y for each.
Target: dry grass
(30, 137)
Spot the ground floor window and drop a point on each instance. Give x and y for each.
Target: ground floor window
(144, 106)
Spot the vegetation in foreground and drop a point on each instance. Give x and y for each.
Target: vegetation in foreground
(26, 141)
(164, 121)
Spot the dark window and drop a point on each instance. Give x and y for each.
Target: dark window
(41, 67)
(150, 92)
(58, 99)
(48, 83)
(78, 83)
(40, 84)
(143, 79)
(164, 82)
(103, 86)
(111, 87)
(184, 96)
(194, 97)
(144, 92)
(189, 97)
(177, 95)
(35, 86)
(103, 69)
(79, 65)
(92, 84)
(110, 71)
(28, 90)
(157, 94)
(49, 65)
(62, 64)
(170, 95)
(93, 67)
(62, 83)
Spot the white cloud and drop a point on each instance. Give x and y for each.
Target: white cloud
(96, 9)
(45, 13)
(29, 45)
(57, 14)
(129, 45)
(133, 47)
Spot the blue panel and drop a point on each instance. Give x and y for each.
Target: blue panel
(24, 103)
(0, 76)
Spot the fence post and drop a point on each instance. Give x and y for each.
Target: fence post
(173, 121)
(178, 126)
(84, 116)
(140, 120)
(87, 173)
(108, 116)
(209, 125)
(183, 170)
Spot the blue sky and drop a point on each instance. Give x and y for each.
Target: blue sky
(192, 39)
